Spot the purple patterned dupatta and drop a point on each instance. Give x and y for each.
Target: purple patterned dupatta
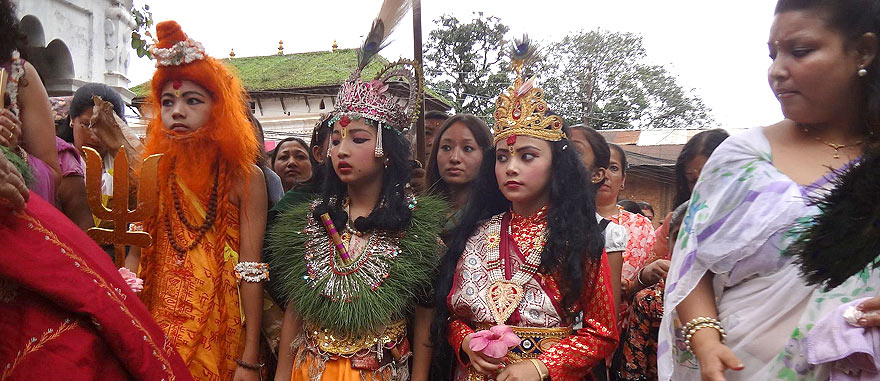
(742, 215)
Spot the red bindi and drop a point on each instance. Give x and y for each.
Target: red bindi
(176, 84)
(511, 140)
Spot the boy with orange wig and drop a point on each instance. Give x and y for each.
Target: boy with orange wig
(202, 276)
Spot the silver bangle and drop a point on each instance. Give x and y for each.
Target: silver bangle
(639, 277)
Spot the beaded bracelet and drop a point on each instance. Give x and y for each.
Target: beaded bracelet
(703, 319)
(253, 272)
(699, 323)
(249, 366)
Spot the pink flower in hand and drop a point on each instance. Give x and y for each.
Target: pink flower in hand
(494, 342)
(136, 284)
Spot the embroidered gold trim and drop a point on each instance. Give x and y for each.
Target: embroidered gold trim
(344, 344)
(34, 344)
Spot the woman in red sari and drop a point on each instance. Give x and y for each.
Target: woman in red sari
(527, 253)
(65, 312)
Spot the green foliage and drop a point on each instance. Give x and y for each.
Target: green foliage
(143, 19)
(601, 78)
(467, 62)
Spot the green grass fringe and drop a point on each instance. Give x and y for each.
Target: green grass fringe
(409, 280)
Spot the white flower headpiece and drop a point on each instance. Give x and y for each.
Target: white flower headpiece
(180, 53)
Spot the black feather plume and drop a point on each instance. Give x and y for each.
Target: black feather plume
(844, 238)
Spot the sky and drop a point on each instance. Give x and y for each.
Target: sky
(717, 48)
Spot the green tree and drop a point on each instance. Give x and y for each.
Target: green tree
(143, 19)
(600, 78)
(467, 62)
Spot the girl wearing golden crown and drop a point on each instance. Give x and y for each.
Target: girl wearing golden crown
(202, 276)
(527, 255)
(355, 266)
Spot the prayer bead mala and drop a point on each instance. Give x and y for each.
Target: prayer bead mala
(210, 217)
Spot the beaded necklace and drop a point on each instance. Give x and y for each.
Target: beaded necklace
(530, 235)
(202, 230)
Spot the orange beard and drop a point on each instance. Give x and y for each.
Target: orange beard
(226, 143)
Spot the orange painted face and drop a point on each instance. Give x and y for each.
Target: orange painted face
(186, 106)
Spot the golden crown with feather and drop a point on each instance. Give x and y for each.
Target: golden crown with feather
(521, 110)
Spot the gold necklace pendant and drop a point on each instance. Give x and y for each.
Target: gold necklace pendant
(834, 146)
(504, 297)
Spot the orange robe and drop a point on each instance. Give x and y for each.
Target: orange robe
(196, 300)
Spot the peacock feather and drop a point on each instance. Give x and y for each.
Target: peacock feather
(522, 53)
(390, 14)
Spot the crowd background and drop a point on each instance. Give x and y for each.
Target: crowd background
(741, 280)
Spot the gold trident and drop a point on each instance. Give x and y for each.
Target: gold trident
(119, 213)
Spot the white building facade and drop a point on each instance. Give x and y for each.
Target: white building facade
(73, 42)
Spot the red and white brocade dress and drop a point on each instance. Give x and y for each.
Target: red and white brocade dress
(568, 351)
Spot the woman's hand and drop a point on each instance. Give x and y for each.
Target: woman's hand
(13, 191)
(714, 357)
(10, 129)
(521, 371)
(242, 374)
(418, 181)
(654, 272)
(872, 308)
(481, 363)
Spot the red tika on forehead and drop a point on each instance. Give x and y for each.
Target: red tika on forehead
(176, 84)
(511, 140)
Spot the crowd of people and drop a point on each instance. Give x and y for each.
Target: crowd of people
(507, 255)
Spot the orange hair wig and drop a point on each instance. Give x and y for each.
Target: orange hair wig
(226, 143)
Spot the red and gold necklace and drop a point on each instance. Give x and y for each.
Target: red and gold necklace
(530, 235)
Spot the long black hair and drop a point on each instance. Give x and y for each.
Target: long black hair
(703, 143)
(11, 37)
(390, 212)
(574, 244)
(482, 136)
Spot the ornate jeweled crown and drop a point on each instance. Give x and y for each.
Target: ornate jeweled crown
(373, 99)
(521, 109)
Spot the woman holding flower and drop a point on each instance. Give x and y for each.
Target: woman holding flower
(517, 260)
